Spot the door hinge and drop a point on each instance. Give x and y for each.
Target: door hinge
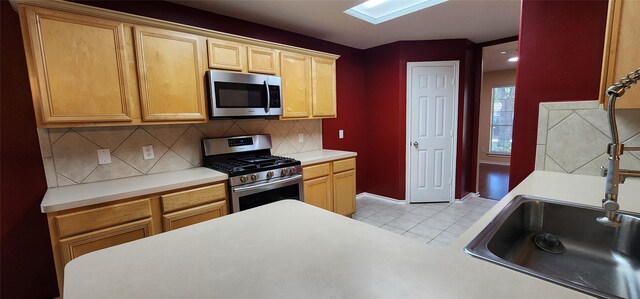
(450, 181)
(451, 133)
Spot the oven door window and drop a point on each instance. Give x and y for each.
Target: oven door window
(269, 196)
(240, 95)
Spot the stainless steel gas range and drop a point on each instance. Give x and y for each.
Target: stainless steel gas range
(255, 176)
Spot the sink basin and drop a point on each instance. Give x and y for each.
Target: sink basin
(586, 256)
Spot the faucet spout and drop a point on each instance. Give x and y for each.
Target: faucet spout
(615, 175)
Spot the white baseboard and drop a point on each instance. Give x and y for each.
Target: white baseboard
(468, 196)
(376, 196)
(494, 162)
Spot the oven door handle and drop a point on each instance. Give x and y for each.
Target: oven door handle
(270, 185)
(268, 106)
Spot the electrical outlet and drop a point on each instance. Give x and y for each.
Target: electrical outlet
(104, 156)
(483, 149)
(147, 152)
(340, 134)
(300, 137)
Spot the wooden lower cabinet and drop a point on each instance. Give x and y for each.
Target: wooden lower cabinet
(74, 247)
(317, 192)
(331, 186)
(195, 215)
(344, 192)
(79, 231)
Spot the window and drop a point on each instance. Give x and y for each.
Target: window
(502, 102)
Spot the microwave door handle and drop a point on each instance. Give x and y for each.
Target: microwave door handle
(266, 87)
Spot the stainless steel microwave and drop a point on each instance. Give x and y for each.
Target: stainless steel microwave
(243, 95)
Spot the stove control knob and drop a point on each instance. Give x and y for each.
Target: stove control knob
(292, 170)
(269, 174)
(243, 179)
(254, 177)
(283, 171)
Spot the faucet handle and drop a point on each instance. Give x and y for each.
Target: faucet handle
(603, 171)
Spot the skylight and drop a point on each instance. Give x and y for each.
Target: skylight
(378, 11)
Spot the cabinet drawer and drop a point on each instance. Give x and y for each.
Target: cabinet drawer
(194, 197)
(99, 218)
(194, 215)
(76, 246)
(344, 165)
(312, 172)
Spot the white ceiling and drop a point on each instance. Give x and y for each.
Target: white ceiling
(494, 60)
(477, 20)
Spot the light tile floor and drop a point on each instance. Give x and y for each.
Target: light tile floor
(437, 224)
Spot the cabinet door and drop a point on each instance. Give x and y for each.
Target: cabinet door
(317, 192)
(262, 60)
(295, 70)
(78, 67)
(323, 78)
(76, 246)
(344, 192)
(621, 56)
(87, 220)
(226, 55)
(194, 215)
(171, 75)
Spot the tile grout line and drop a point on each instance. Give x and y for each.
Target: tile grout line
(563, 119)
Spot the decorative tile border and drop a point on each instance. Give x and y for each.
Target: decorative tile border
(573, 137)
(69, 154)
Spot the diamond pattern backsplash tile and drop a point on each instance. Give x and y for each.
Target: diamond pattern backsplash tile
(70, 154)
(573, 137)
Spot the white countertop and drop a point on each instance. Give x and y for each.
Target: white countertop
(320, 156)
(290, 249)
(75, 196)
(68, 197)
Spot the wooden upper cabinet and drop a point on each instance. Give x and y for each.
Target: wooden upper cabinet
(621, 54)
(78, 67)
(295, 70)
(323, 82)
(262, 60)
(226, 55)
(171, 75)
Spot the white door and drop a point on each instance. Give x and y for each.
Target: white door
(431, 129)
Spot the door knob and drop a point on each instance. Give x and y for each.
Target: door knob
(415, 143)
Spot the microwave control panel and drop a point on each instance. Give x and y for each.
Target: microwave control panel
(274, 93)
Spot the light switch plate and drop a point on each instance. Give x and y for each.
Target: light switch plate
(147, 152)
(340, 134)
(104, 156)
(300, 137)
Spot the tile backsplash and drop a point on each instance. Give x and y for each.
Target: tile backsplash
(70, 154)
(573, 137)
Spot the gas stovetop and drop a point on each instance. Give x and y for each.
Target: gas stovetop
(247, 164)
(248, 159)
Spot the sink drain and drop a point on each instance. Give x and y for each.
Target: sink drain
(549, 243)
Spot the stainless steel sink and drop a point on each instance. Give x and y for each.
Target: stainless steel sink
(598, 260)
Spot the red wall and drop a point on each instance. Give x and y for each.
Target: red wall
(560, 50)
(386, 69)
(27, 269)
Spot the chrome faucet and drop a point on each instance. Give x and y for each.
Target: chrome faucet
(615, 175)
